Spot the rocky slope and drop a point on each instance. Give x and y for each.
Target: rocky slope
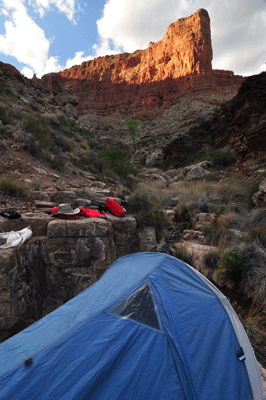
(178, 64)
(239, 123)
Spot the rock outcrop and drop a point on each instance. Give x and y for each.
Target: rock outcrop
(62, 258)
(146, 79)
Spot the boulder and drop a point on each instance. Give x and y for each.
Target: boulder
(70, 111)
(61, 197)
(197, 172)
(155, 159)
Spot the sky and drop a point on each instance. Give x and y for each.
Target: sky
(42, 36)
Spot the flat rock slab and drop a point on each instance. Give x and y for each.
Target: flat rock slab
(85, 227)
(61, 197)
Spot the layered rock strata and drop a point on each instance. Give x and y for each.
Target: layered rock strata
(146, 79)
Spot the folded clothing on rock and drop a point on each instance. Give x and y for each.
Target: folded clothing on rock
(91, 213)
(13, 239)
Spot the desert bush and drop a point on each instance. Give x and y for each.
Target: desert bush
(55, 161)
(2, 87)
(211, 259)
(89, 161)
(255, 227)
(36, 186)
(63, 142)
(9, 186)
(116, 159)
(139, 202)
(233, 263)
(256, 216)
(32, 145)
(222, 158)
(254, 273)
(154, 218)
(232, 194)
(255, 325)
(182, 254)
(39, 129)
(4, 116)
(145, 211)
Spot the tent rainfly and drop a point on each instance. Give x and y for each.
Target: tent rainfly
(151, 328)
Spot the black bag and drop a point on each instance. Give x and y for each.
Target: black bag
(10, 214)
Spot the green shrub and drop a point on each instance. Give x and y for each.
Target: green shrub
(56, 161)
(221, 210)
(2, 87)
(9, 186)
(36, 186)
(141, 206)
(89, 161)
(183, 207)
(39, 129)
(154, 218)
(63, 142)
(4, 116)
(142, 161)
(32, 145)
(139, 202)
(211, 259)
(222, 158)
(115, 158)
(133, 127)
(233, 264)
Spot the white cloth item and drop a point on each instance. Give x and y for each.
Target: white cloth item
(14, 239)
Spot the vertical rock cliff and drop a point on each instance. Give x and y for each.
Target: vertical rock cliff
(145, 79)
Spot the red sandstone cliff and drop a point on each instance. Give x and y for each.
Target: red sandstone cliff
(146, 79)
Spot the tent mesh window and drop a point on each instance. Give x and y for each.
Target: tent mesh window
(139, 306)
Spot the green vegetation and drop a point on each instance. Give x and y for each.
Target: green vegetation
(211, 259)
(9, 186)
(4, 116)
(145, 211)
(133, 126)
(222, 158)
(116, 159)
(233, 264)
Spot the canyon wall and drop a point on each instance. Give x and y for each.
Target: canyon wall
(147, 79)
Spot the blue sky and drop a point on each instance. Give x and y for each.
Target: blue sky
(42, 36)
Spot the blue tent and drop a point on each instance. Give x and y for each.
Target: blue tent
(151, 328)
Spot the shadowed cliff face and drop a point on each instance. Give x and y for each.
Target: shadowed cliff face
(240, 122)
(146, 79)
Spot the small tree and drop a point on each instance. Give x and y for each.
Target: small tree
(133, 126)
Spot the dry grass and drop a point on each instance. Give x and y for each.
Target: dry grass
(255, 326)
(232, 195)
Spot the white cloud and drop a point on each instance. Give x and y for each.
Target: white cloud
(238, 28)
(28, 72)
(78, 59)
(65, 6)
(104, 48)
(23, 39)
(26, 41)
